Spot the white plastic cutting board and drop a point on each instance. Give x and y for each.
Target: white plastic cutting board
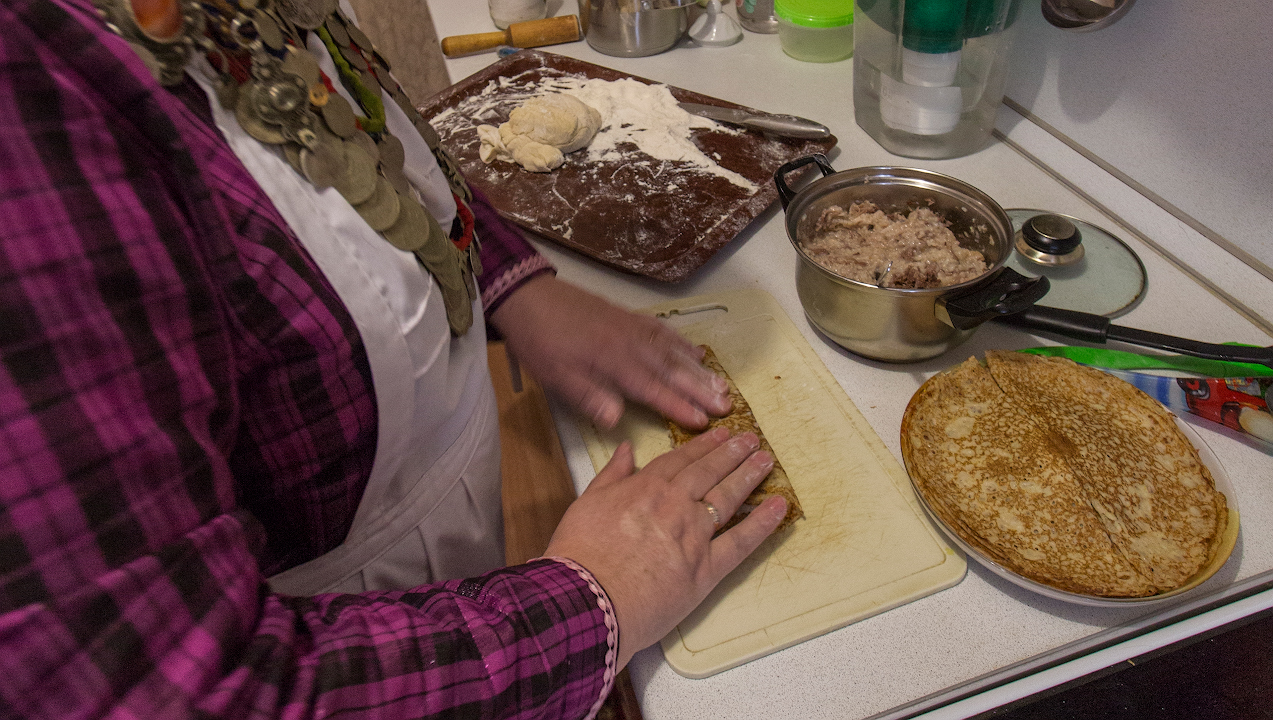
(864, 545)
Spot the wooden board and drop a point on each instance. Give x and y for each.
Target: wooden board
(660, 220)
(865, 545)
(537, 487)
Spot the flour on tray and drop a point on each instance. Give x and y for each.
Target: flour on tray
(650, 118)
(636, 120)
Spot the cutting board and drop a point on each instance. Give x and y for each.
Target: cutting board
(661, 220)
(864, 545)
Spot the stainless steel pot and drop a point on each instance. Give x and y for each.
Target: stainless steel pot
(633, 28)
(898, 324)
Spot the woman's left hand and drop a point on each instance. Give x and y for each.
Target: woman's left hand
(595, 355)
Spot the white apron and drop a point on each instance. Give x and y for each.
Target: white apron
(431, 510)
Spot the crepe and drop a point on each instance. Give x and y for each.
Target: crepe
(741, 419)
(989, 472)
(1064, 475)
(1142, 475)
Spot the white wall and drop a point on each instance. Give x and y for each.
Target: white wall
(1177, 95)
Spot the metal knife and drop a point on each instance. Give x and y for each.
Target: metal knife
(782, 125)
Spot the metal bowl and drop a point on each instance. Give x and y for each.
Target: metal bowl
(891, 324)
(633, 28)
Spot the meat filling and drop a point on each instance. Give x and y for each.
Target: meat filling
(917, 250)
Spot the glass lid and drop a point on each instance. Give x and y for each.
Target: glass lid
(1089, 269)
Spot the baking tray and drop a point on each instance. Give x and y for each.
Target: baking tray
(662, 221)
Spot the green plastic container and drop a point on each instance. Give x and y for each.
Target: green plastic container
(815, 30)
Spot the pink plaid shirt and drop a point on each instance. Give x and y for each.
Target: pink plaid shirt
(185, 407)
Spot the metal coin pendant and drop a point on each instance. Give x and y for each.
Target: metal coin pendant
(353, 58)
(298, 126)
(303, 63)
(269, 31)
(252, 124)
(397, 178)
(475, 257)
(291, 35)
(337, 30)
(411, 230)
(438, 251)
(306, 136)
(392, 154)
(281, 98)
(228, 92)
(258, 94)
(358, 36)
(470, 281)
(382, 208)
(308, 14)
(369, 79)
(404, 103)
(384, 76)
(461, 319)
(364, 141)
(326, 8)
(324, 164)
(455, 295)
(358, 183)
(318, 94)
(292, 152)
(425, 129)
(339, 116)
(381, 59)
(327, 136)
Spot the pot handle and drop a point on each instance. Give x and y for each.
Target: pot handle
(785, 193)
(1007, 293)
(1097, 329)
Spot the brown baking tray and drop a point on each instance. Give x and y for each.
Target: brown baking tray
(662, 222)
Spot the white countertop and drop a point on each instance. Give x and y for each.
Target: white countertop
(983, 625)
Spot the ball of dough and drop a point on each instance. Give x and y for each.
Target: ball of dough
(555, 119)
(492, 145)
(539, 133)
(538, 157)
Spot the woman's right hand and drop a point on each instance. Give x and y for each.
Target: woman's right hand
(647, 536)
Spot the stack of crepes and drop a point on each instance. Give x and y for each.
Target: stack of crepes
(1064, 475)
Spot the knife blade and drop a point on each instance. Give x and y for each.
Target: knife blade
(782, 125)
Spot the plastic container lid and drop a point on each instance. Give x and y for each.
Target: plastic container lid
(815, 13)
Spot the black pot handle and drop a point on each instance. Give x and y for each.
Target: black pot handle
(1088, 327)
(1007, 293)
(785, 193)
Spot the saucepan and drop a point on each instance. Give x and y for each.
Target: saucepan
(633, 28)
(908, 325)
(903, 324)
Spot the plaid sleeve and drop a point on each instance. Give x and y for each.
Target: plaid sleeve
(508, 259)
(168, 355)
(509, 644)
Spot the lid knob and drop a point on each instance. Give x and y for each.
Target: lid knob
(1050, 240)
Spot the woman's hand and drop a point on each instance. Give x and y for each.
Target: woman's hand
(647, 536)
(594, 355)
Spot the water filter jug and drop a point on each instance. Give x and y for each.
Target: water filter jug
(929, 75)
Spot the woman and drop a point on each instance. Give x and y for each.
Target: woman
(250, 462)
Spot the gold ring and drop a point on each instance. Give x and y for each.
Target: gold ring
(715, 513)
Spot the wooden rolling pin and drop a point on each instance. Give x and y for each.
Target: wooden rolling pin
(532, 33)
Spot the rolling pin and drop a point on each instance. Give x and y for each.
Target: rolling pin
(532, 33)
